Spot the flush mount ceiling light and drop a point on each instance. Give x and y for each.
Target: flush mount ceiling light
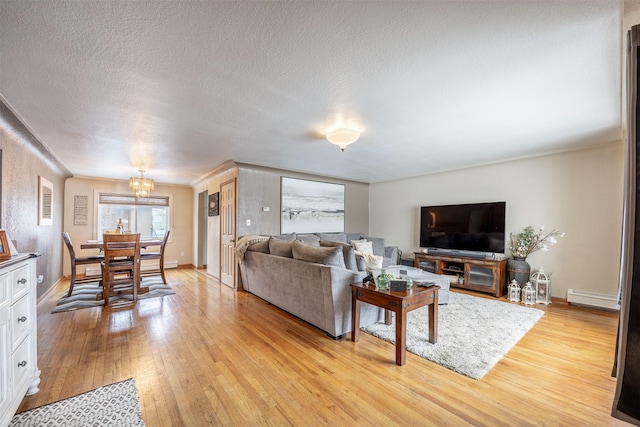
(343, 136)
(140, 185)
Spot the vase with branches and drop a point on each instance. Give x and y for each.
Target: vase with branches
(529, 241)
(524, 244)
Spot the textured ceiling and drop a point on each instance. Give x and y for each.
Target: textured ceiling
(177, 88)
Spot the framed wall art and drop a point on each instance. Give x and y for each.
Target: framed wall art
(311, 206)
(214, 204)
(45, 202)
(5, 248)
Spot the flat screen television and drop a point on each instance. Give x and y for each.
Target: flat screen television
(476, 227)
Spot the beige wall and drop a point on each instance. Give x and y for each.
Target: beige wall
(578, 192)
(181, 237)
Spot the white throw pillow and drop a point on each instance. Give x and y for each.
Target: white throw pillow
(363, 247)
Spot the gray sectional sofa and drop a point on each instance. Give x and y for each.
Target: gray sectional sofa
(310, 276)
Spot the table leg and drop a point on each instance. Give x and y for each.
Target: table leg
(355, 316)
(401, 337)
(433, 319)
(387, 317)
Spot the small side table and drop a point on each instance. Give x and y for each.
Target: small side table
(399, 302)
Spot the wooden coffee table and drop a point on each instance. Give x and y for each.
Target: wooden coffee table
(399, 302)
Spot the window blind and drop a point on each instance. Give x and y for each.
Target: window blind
(120, 199)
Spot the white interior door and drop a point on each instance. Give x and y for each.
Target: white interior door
(227, 232)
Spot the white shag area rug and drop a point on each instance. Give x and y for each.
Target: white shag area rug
(112, 405)
(473, 333)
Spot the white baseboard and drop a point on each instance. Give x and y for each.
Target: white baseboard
(592, 299)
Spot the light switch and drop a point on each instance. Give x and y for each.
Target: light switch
(248, 222)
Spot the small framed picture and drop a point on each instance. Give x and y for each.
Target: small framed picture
(214, 206)
(5, 249)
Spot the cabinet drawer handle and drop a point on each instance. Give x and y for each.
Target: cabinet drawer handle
(22, 281)
(22, 364)
(22, 319)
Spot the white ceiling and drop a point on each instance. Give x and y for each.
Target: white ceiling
(177, 88)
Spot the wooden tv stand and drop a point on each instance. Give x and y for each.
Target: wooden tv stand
(479, 274)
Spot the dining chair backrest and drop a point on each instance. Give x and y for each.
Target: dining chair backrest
(164, 241)
(69, 243)
(121, 246)
(76, 260)
(121, 256)
(156, 256)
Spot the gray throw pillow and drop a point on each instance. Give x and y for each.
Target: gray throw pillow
(378, 245)
(354, 236)
(321, 255)
(362, 264)
(348, 253)
(308, 238)
(260, 247)
(286, 237)
(334, 237)
(281, 248)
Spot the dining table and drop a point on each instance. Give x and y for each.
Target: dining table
(144, 243)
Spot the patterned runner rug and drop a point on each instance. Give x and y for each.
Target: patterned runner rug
(85, 295)
(112, 405)
(473, 333)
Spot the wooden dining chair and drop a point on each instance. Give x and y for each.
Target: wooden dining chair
(75, 261)
(121, 265)
(144, 256)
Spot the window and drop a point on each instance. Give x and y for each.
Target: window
(148, 216)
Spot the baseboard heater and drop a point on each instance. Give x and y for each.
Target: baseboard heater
(592, 299)
(95, 271)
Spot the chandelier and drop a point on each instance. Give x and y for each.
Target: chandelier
(140, 185)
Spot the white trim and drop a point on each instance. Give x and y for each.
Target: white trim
(593, 299)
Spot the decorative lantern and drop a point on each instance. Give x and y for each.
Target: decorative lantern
(514, 291)
(542, 284)
(528, 294)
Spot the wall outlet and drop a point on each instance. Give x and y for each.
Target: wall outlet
(40, 278)
(265, 209)
(182, 253)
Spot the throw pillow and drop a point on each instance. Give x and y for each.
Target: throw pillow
(364, 247)
(281, 248)
(318, 254)
(286, 237)
(348, 253)
(334, 237)
(260, 247)
(378, 245)
(308, 238)
(354, 236)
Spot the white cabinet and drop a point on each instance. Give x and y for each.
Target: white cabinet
(19, 374)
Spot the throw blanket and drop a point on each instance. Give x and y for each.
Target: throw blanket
(372, 261)
(244, 242)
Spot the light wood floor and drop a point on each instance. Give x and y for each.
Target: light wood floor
(212, 356)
